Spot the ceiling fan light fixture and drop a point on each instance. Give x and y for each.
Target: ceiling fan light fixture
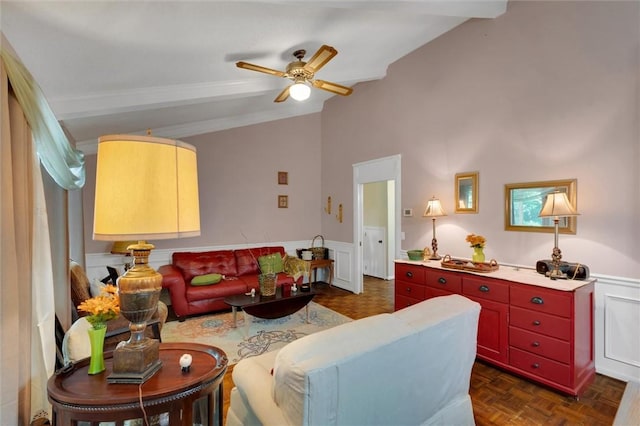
(300, 91)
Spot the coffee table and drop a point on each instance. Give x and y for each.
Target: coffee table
(276, 306)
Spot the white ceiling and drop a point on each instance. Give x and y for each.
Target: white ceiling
(127, 66)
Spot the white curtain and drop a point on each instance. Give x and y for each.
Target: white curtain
(27, 314)
(63, 163)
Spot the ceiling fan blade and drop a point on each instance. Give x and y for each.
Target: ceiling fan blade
(283, 96)
(332, 87)
(320, 59)
(252, 67)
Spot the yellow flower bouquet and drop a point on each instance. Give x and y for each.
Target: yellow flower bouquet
(476, 241)
(103, 307)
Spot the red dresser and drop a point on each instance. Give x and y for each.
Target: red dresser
(529, 325)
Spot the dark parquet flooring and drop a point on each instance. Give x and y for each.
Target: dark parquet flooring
(499, 398)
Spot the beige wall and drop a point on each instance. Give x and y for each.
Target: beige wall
(547, 91)
(237, 178)
(375, 204)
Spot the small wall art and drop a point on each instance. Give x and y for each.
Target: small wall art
(283, 178)
(283, 201)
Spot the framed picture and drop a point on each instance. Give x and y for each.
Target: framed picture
(466, 192)
(407, 212)
(523, 202)
(283, 178)
(283, 201)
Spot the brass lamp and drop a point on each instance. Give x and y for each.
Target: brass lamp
(146, 189)
(557, 205)
(434, 209)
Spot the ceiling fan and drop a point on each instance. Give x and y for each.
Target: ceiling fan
(302, 74)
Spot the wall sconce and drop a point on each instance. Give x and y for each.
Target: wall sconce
(339, 215)
(557, 205)
(434, 209)
(328, 208)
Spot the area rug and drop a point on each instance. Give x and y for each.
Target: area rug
(252, 336)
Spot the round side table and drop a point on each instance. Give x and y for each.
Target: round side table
(170, 396)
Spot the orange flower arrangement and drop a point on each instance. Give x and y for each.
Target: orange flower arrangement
(102, 308)
(476, 241)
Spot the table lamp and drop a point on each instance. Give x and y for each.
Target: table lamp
(434, 209)
(146, 189)
(557, 205)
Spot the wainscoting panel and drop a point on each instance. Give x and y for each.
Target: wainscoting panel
(617, 339)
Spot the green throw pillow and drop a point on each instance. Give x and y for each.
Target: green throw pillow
(206, 279)
(271, 263)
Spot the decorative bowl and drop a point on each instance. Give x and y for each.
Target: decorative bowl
(415, 254)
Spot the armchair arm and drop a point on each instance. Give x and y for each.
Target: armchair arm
(173, 280)
(254, 382)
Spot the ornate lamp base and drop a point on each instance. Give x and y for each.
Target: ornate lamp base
(135, 363)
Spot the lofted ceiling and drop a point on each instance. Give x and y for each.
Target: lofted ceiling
(127, 66)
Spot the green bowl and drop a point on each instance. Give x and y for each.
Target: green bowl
(415, 254)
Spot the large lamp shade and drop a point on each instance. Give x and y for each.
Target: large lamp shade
(146, 189)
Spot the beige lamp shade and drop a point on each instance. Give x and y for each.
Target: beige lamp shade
(146, 189)
(557, 205)
(434, 208)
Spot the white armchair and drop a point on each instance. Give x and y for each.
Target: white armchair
(412, 367)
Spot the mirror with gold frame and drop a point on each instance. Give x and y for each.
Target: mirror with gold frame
(466, 187)
(523, 202)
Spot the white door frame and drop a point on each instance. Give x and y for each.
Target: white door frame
(381, 169)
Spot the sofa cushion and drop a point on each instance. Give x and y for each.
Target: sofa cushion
(208, 262)
(207, 279)
(247, 259)
(227, 287)
(252, 281)
(271, 263)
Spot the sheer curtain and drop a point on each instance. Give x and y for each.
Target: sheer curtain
(27, 315)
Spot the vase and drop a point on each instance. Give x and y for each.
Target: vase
(267, 284)
(96, 338)
(478, 255)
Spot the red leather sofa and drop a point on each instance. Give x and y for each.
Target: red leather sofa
(240, 272)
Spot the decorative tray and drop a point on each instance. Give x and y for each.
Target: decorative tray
(468, 265)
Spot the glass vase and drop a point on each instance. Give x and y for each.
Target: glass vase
(96, 338)
(478, 255)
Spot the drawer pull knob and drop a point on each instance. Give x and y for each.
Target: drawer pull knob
(537, 300)
(409, 274)
(536, 365)
(535, 344)
(408, 289)
(484, 289)
(536, 322)
(442, 280)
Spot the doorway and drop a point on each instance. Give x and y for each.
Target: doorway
(387, 170)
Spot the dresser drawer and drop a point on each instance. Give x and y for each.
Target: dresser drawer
(404, 301)
(409, 289)
(541, 366)
(542, 299)
(486, 289)
(410, 273)
(538, 322)
(444, 280)
(538, 344)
